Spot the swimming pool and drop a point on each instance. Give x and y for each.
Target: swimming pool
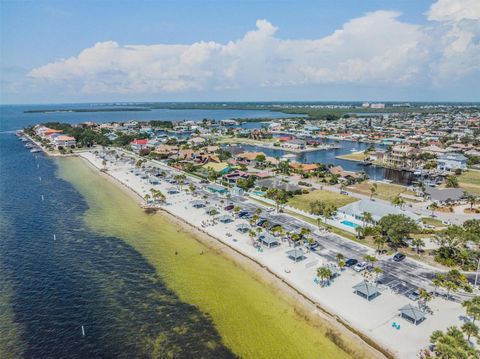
(349, 224)
(259, 193)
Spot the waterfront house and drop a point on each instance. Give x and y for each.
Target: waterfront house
(64, 141)
(305, 167)
(403, 156)
(295, 144)
(452, 162)
(346, 175)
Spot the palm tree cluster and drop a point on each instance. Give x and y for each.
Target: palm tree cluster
(322, 208)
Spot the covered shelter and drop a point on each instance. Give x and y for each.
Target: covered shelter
(268, 240)
(215, 188)
(412, 314)
(366, 290)
(225, 219)
(173, 190)
(243, 227)
(296, 254)
(198, 204)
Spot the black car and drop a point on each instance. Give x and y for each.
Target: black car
(398, 257)
(242, 214)
(350, 262)
(229, 207)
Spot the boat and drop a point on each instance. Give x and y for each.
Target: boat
(353, 150)
(29, 145)
(35, 150)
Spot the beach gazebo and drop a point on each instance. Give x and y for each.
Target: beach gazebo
(211, 211)
(268, 240)
(296, 254)
(198, 204)
(366, 290)
(172, 190)
(225, 219)
(243, 227)
(412, 314)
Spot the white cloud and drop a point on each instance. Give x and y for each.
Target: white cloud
(376, 49)
(454, 10)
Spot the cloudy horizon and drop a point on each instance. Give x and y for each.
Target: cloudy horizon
(376, 55)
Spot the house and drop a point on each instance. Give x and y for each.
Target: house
(64, 141)
(276, 183)
(305, 167)
(249, 157)
(197, 140)
(354, 211)
(402, 156)
(139, 144)
(219, 168)
(295, 144)
(338, 170)
(452, 162)
(444, 195)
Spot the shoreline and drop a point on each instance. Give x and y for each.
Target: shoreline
(307, 307)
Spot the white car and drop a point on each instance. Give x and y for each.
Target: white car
(361, 266)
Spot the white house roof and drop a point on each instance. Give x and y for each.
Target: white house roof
(453, 157)
(377, 209)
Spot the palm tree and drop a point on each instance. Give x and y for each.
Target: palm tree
(340, 257)
(380, 241)
(367, 218)
(370, 259)
(418, 243)
(433, 207)
(377, 271)
(471, 199)
(398, 201)
(147, 197)
(469, 328)
(252, 234)
(425, 296)
(324, 273)
(373, 190)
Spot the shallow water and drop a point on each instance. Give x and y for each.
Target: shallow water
(250, 316)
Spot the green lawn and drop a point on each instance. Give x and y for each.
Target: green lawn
(432, 222)
(470, 181)
(385, 191)
(303, 201)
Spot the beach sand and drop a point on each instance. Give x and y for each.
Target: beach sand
(336, 304)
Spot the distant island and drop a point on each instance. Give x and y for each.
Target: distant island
(123, 109)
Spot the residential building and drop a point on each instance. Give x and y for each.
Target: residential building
(452, 162)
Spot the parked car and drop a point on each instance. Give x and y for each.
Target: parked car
(313, 246)
(229, 207)
(360, 266)
(270, 209)
(350, 262)
(398, 257)
(242, 214)
(204, 181)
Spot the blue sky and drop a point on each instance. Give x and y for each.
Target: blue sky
(239, 50)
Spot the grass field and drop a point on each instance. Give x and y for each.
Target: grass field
(385, 191)
(432, 222)
(303, 201)
(355, 156)
(470, 181)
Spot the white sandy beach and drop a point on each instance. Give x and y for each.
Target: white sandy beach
(372, 318)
